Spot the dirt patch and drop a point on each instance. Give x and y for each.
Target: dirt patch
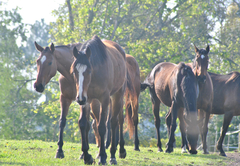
(235, 156)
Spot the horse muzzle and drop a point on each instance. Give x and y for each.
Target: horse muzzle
(39, 87)
(193, 151)
(81, 102)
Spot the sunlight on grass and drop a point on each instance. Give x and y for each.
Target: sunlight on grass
(34, 152)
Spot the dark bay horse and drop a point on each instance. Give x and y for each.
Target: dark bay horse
(204, 100)
(176, 87)
(100, 73)
(131, 102)
(51, 60)
(226, 100)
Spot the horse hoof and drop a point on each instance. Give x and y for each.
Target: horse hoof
(223, 154)
(113, 161)
(81, 156)
(205, 152)
(184, 151)
(102, 160)
(137, 149)
(89, 161)
(169, 150)
(160, 150)
(123, 154)
(59, 154)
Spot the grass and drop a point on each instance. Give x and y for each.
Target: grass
(35, 152)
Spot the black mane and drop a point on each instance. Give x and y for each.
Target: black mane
(98, 50)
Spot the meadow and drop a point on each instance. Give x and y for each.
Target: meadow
(35, 152)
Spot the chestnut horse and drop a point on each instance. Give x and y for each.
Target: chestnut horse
(51, 60)
(176, 87)
(226, 100)
(204, 100)
(131, 103)
(100, 73)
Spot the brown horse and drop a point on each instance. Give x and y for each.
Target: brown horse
(131, 103)
(204, 100)
(100, 73)
(51, 60)
(226, 100)
(176, 87)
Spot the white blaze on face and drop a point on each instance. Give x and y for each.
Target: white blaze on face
(81, 69)
(202, 56)
(43, 59)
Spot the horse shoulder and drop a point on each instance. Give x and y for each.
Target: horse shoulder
(67, 87)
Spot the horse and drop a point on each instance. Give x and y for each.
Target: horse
(51, 60)
(131, 104)
(226, 100)
(176, 87)
(204, 100)
(99, 71)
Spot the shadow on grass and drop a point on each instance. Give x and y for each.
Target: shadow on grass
(11, 163)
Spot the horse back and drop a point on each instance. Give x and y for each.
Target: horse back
(226, 93)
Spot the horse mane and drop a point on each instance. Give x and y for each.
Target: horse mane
(98, 50)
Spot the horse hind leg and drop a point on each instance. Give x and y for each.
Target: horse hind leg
(227, 120)
(157, 121)
(134, 109)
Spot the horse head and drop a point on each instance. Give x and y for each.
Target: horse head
(81, 70)
(190, 93)
(200, 64)
(46, 66)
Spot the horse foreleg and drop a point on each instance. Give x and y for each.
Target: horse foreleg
(227, 120)
(65, 103)
(205, 131)
(173, 110)
(102, 128)
(84, 128)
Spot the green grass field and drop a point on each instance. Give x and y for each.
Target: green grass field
(36, 152)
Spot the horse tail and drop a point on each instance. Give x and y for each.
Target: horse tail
(130, 95)
(128, 117)
(144, 85)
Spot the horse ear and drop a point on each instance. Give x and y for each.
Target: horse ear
(196, 49)
(38, 47)
(75, 52)
(208, 48)
(52, 48)
(88, 52)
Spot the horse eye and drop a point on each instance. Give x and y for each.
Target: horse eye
(49, 63)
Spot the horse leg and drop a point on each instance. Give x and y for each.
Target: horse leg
(155, 108)
(117, 115)
(108, 124)
(65, 103)
(102, 127)
(135, 122)
(173, 110)
(84, 128)
(204, 131)
(227, 120)
(183, 131)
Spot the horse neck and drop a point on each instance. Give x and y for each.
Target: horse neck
(64, 59)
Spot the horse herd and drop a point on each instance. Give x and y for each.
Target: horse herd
(99, 76)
